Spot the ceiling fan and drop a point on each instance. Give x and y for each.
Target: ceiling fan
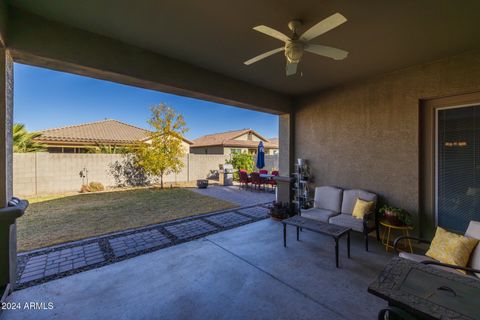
(296, 45)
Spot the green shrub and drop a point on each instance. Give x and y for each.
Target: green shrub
(92, 187)
(241, 161)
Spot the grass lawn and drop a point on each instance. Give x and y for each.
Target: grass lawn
(58, 219)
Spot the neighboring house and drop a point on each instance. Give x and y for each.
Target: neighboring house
(83, 138)
(238, 141)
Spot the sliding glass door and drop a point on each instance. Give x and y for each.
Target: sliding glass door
(458, 167)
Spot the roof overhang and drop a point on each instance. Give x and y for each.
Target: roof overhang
(196, 49)
(37, 41)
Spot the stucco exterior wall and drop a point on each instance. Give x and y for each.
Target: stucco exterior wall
(271, 151)
(207, 150)
(185, 147)
(245, 137)
(230, 149)
(6, 123)
(366, 134)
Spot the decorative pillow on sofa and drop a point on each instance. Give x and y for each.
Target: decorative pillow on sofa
(451, 248)
(361, 208)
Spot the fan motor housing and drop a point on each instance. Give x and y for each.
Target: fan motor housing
(294, 25)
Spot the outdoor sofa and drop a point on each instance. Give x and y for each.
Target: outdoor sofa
(473, 266)
(335, 205)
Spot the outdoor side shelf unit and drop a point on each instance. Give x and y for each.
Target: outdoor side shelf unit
(8, 244)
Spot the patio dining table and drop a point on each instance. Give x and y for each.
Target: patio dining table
(263, 175)
(266, 175)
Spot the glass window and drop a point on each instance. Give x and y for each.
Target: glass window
(458, 167)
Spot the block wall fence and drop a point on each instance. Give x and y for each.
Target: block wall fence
(50, 173)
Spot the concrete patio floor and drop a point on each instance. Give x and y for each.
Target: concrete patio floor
(239, 196)
(242, 273)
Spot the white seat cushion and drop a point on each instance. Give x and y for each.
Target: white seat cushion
(473, 231)
(347, 220)
(318, 214)
(329, 198)
(414, 257)
(350, 198)
(420, 258)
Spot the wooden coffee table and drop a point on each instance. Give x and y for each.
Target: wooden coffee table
(334, 231)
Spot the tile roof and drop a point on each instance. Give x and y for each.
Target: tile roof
(100, 132)
(227, 139)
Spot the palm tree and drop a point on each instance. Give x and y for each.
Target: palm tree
(23, 141)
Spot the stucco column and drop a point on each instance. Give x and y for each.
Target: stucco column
(8, 231)
(286, 150)
(6, 124)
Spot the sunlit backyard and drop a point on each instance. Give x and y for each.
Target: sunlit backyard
(57, 219)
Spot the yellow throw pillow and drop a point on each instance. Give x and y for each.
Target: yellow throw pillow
(361, 208)
(451, 248)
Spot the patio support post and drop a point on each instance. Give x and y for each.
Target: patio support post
(286, 138)
(6, 125)
(8, 232)
(6, 111)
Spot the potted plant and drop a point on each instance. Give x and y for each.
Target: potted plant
(396, 216)
(280, 210)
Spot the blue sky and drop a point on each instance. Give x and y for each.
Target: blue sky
(46, 99)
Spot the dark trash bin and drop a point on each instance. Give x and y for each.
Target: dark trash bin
(8, 244)
(202, 184)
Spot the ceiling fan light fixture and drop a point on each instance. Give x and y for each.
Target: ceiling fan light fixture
(296, 44)
(294, 51)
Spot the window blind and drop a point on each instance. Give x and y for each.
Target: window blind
(458, 167)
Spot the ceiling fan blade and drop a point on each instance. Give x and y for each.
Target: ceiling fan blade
(291, 68)
(323, 26)
(263, 56)
(330, 52)
(272, 33)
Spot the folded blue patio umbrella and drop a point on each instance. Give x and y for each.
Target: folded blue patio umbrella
(260, 156)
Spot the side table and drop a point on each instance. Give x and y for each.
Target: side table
(387, 229)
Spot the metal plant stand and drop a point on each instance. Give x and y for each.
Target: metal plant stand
(301, 190)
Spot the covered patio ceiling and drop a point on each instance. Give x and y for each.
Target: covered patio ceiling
(217, 35)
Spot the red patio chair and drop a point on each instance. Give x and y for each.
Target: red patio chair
(265, 180)
(271, 182)
(257, 182)
(244, 179)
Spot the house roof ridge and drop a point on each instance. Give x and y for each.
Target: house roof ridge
(89, 123)
(228, 131)
(128, 124)
(227, 138)
(107, 130)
